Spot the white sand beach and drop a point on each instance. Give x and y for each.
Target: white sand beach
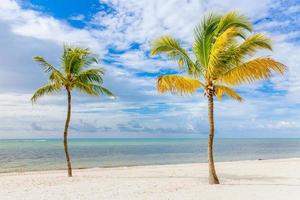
(245, 180)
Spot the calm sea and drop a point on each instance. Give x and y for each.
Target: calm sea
(30, 155)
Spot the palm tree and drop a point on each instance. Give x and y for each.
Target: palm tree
(222, 49)
(74, 73)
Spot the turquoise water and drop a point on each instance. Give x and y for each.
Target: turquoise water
(30, 155)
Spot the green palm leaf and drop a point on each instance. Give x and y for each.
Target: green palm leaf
(91, 75)
(48, 68)
(47, 89)
(173, 49)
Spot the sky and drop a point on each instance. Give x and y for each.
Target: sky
(120, 32)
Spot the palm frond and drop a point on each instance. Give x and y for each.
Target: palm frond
(173, 49)
(85, 88)
(84, 61)
(251, 45)
(91, 75)
(92, 89)
(215, 34)
(257, 69)
(102, 90)
(204, 36)
(56, 77)
(48, 68)
(178, 84)
(47, 89)
(234, 19)
(236, 53)
(220, 45)
(74, 58)
(222, 90)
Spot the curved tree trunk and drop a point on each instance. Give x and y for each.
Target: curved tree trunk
(66, 135)
(213, 179)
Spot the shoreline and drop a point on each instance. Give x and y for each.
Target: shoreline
(274, 179)
(132, 166)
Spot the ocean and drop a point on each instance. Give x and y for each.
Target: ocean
(48, 154)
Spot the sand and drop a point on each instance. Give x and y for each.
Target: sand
(245, 180)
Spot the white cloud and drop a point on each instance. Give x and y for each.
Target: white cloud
(37, 25)
(77, 17)
(293, 9)
(142, 21)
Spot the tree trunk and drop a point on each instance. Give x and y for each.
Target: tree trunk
(213, 179)
(66, 135)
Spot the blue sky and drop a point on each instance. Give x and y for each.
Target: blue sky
(120, 33)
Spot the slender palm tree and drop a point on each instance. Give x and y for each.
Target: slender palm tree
(74, 73)
(223, 57)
